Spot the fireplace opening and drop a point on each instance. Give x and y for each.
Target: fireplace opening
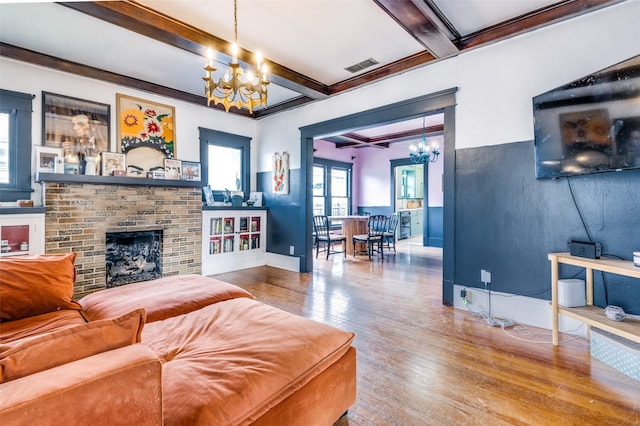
(133, 257)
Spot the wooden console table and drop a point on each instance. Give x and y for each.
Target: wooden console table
(592, 315)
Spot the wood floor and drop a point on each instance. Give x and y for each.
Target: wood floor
(421, 363)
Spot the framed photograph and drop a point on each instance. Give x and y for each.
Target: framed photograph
(71, 168)
(256, 197)
(190, 171)
(173, 169)
(208, 195)
(145, 135)
(76, 126)
(46, 158)
(113, 161)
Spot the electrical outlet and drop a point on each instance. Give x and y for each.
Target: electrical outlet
(292, 250)
(468, 297)
(485, 276)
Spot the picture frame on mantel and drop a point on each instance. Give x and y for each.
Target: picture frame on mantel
(145, 135)
(76, 126)
(46, 158)
(113, 162)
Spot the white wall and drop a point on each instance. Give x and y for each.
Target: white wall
(496, 82)
(21, 77)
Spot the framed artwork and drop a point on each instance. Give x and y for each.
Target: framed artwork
(113, 161)
(256, 197)
(280, 163)
(146, 134)
(76, 126)
(208, 195)
(190, 171)
(173, 169)
(46, 159)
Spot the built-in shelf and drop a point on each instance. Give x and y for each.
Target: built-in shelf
(21, 210)
(115, 180)
(223, 208)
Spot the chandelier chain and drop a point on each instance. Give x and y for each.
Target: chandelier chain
(237, 88)
(235, 21)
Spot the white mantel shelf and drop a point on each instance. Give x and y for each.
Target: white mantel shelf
(114, 180)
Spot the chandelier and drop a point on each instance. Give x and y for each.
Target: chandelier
(423, 153)
(236, 88)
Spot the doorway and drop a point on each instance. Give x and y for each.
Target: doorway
(439, 102)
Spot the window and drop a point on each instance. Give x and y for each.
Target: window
(331, 187)
(225, 161)
(15, 145)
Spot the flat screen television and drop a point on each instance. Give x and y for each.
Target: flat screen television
(591, 125)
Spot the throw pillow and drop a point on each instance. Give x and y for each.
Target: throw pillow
(39, 353)
(33, 285)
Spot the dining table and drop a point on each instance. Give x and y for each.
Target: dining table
(351, 225)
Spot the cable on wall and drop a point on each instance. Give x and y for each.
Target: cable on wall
(586, 230)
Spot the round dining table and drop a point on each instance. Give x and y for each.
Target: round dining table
(351, 225)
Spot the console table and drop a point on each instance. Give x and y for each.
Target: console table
(592, 315)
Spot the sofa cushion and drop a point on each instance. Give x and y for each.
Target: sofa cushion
(23, 328)
(38, 353)
(230, 362)
(162, 298)
(36, 284)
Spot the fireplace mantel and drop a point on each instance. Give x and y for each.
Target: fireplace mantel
(114, 180)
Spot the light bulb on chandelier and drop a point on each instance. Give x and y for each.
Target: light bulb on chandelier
(236, 88)
(423, 152)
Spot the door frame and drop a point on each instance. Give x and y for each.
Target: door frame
(442, 101)
(425, 192)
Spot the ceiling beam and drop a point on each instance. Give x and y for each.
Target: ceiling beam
(417, 18)
(356, 140)
(150, 23)
(545, 16)
(37, 58)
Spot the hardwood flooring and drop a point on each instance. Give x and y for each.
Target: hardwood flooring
(422, 363)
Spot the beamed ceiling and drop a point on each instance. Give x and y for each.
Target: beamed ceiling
(159, 46)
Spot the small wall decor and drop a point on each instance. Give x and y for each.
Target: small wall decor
(76, 126)
(280, 173)
(173, 169)
(46, 159)
(146, 134)
(190, 171)
(113, 162)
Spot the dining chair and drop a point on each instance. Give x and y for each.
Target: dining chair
(376, 225)
(325, 237)
(389, 235)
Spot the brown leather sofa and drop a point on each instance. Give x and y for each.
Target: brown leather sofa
(181, 350)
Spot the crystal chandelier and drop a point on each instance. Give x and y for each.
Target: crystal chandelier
(423, 153)
(236, 88)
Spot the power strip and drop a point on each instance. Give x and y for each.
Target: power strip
(499, 322)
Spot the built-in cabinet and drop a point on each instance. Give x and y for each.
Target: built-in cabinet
(233, 240)
(21, 234)
(589, 314)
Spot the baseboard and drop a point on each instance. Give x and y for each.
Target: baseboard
(289, 263)
(520, 309)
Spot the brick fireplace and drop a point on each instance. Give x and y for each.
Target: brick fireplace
(78, 217)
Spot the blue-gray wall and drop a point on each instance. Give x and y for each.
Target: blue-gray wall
(506, 221)
(286, 224)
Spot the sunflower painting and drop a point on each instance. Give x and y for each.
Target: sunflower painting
(146, 134)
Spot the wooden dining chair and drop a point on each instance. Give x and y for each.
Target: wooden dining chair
(389, 235)
(376, 225)
(324, 237)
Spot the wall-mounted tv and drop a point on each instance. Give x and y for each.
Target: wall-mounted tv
(591, 125)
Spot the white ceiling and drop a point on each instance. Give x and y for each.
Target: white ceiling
(311, 39)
